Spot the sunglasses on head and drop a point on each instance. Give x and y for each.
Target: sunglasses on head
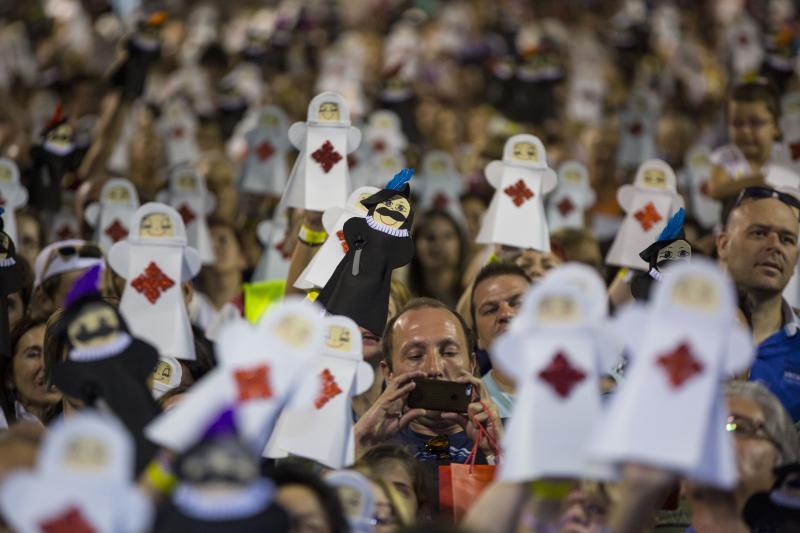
(88, 249)
(761, 193)
(747, 427)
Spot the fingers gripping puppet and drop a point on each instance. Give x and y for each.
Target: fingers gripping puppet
(516, 214)
(648, 203)
(155, 260)
(320, 178)
(671, 246)
(110, 216)
(11, 281)
(376, 245)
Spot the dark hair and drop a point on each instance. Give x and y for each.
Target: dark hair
(758, 91)
(291, 474)
(376, 455)
(7, 397)
(494, 270)
(416, 281)
(423, 303)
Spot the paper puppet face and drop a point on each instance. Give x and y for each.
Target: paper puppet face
(654, 178)
(358, 196)
(525, 151)
(85, 453)
(438, 162)
(186, 183)
(328, 112)
(96, 325)
(156, 226)
(293, 330)
(437, 166)
(6, 173)
(392, 212)
(558, 309)
(339, 338)
(696, 293)
(679, 250)
(573, 173)
(655, 174)
(5, 245)
(268, 120)
(60, 137)
(163, 373)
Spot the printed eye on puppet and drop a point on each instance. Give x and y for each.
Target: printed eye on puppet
(670, 248)
(376, 245)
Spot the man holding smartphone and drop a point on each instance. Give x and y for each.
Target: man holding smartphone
(427, 340)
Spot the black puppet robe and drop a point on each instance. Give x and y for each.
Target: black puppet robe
(360, 289)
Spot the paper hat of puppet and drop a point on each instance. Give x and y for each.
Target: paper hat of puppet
(355, 489)
(384, 131)
(330, 105)
(557, 352)
(65, 256)
(322, 428)
(526, 150)
(83, 481)
(260, 369)
(573, 174)
(221, 488)
(681, 345)
(110, 215)
(273, 118)
(586, 279)
(119, 191)
(184, 179)
(655, 174)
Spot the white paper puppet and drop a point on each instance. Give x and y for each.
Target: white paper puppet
(111, 215)
(648, 204)
(155, 260)
(790, 131)
(265, 169)
(516, 214)
(384, 132)
(13, 195)
(682, 346)
(573, 196)
(697, 170)
(166, 375)
(187, 193)
(273, 263)
(319, 178)
(178, 128)
(638, 122)
(322, 428)
(260, 369)
(745, 45)
(557, 353)
(439, 184)
(65, 223)
(332, 251)
(83, 481)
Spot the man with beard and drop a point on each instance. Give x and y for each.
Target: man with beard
(758, 248)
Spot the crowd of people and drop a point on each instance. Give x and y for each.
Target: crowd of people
(392, 265)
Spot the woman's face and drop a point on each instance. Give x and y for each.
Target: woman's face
(384, 512)
(752, 129)
(393, 471)
(306, 514)
(438, 245)
(28, 371)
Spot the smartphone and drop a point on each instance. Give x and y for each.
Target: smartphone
(438, 395)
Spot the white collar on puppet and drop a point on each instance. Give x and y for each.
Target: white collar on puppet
(239, 504)
(7, 262)
(96, 353)
(58, 149)
(59, 264)
(383, 228)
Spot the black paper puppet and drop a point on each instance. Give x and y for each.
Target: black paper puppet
(670, 246)
(105, 364)
(142, 50)
(376, 245)
(221, 488)
(11, 280)
(56, 155)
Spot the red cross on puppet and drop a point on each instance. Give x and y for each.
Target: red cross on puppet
(152, 282)
(2, 200)
(561, 375)
(342, 241)
(703, 188)
(441, 200)
(116, 231)
(187, 214)
(794, 149)
(177, 132)
(565, 206)
(519, 193)
(66, 232)
(379, 145)
(647, 216)
(327, 156)
(329, 390)
(253, 383)
(635, 128)
(680, 365)
(71, 521)
(264, 151)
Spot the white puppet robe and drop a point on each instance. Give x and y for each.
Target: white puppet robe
(523, 225)
(679, 425)
(15, 196)
(322, 429)
(547, 434)
(196, 206)
(179, 140)
(310, 186)
(705, 209)
(265, 170)
(656, 207)
(110, 221)
(163, 322)
(272, 264)
(567, 206)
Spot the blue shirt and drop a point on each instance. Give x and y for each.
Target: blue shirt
(460, 446)
(777, 363)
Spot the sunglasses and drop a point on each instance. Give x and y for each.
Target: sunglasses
(88, 249)
(761, 193)
(747, 427)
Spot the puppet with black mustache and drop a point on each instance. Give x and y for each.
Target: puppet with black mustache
(376, 245)
(11, 280)
(105, 365)
(671, 246)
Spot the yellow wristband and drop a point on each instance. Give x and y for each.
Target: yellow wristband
(551, 489)
(160, 478)
(311, 237)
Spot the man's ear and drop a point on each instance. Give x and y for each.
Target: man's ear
(722, 241)
(385, 370)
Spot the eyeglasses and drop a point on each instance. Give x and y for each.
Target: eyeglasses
(747, 427)
(761, 193)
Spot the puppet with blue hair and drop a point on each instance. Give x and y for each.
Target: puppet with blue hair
(376, 245)
(670, 246)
